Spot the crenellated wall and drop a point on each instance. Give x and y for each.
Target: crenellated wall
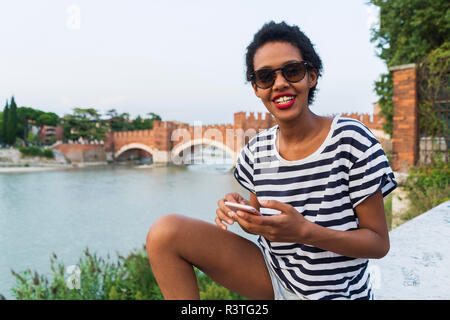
(172, 136)
(252, 121)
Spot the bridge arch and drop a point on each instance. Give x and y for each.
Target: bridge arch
(134, 145)
(204, 141)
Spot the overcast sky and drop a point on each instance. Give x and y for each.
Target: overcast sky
(183, 60)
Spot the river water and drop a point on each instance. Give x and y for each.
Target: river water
(107, 209)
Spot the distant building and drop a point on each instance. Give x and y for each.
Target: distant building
(51, 134)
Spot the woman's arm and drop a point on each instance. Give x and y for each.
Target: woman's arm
(371, 240)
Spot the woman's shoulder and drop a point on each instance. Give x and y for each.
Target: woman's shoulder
(263, 137)
(355, 129)
(353, 136)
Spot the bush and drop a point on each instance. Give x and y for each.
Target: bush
(130, 278)
(388, 210)
(48, 153)
(35, 151)
(427, 186)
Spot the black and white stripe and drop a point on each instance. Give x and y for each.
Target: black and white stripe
(325, 188)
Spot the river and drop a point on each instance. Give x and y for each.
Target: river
(107, 209)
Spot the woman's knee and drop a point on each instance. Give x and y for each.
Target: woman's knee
(163, 232)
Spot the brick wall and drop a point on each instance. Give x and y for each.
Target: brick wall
(82, 152)
(258, 122)
(405, 135)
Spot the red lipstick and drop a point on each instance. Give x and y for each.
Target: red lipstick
(284, 105)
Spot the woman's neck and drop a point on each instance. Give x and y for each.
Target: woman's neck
(303, 128)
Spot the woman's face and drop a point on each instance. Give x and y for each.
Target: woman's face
(275, 55)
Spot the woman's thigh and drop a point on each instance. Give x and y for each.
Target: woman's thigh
(231, 260)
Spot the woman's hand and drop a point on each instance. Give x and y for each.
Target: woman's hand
(223, 212)
(288, 226)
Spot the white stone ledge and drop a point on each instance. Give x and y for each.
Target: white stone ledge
(418, 263)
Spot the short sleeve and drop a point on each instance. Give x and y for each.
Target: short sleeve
(244, 169)
(369, 174)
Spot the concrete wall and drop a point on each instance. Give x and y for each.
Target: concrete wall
(418, 263)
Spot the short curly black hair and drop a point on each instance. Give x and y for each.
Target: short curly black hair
(275, 32)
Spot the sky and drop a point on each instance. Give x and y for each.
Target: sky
(183, 60)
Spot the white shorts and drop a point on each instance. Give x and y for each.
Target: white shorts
(280, 291)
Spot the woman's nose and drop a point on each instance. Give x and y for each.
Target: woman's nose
(280, 81)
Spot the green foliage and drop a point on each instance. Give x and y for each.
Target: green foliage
(3, 121)
(129, 278)
(408, 31)
(14, 121)
(11, 123)
(35, 151)
(84, 123)
(427, 186)
(48, 119)
(31, 137)
(122, 122)
(384, 91)
(48, 153)
(388, 210)
(211, 290)
(434, 92)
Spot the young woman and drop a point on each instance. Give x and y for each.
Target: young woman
(319, 183)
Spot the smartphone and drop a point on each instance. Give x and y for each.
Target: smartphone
(243, 207)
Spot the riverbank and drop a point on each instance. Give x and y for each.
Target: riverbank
(25, 169)
(12, 161)
(31, 169)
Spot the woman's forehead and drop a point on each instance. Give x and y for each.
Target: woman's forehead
(275, 54)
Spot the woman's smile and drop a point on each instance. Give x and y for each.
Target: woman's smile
(284, 101)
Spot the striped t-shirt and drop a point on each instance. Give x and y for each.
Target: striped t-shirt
(325, 188)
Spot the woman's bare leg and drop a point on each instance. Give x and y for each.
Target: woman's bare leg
(176, 243)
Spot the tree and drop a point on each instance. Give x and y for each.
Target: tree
(11, 125)
(118, 122)
(154, 116)
(48, 119)
(122, 122)
(84, 123)
(24, 114)
(1, 126)
(4, 123)
(408, 31)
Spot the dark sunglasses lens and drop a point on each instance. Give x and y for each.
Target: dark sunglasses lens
(294, 72)
(264, 78)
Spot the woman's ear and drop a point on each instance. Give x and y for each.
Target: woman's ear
(312, 78)
(255, 88)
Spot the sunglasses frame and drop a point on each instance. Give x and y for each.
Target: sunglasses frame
(282, 69)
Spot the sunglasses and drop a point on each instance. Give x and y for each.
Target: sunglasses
(264, 78)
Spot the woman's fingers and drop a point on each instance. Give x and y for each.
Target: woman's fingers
(220, 224)
(234, 197)
(225, 210)
(221, 216)
(225, 214)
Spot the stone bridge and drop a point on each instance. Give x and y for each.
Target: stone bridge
(170, 141)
